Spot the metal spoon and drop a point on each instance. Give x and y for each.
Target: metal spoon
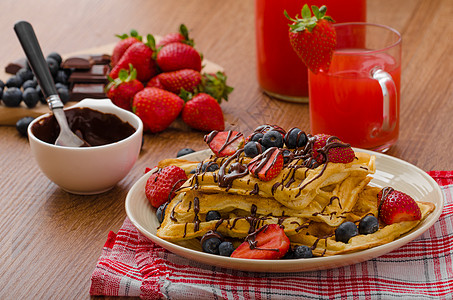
(30, 45)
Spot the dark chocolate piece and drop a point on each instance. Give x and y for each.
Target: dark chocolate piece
(87, 90)
(83, 62)
(16, 65)
(97, 74)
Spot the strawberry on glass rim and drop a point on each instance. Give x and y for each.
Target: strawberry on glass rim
(313, 38)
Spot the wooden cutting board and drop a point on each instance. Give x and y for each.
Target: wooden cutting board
(10, 115)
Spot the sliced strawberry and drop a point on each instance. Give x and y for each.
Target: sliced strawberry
(224, 143)
(330, 148)
(268, 242)
(397, 207)
(162, 183)
(268, 165)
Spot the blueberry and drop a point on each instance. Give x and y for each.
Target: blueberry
(42, 99)
(213, 215)
(295, 138)
(184, 151)
(272, 138)
(252, 149)
(256, 137)
(24, 74)
(346, 231)
(61, 77)
(209, 166)
(2, 84)
(12, 97)
(193, 171)
(64, 95)
(226, 248)
(31, 97)
(22, 125)
(286, 156)
(29, 83)
(211, 245)
(368, 225)
(160, 212)
(302, 251)
(1, 93)
(14, 81)
(56, 57)
(53, 66)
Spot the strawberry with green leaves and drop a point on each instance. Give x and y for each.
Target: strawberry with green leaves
(177, 56)
(186, 79)
(396, 206)
(224, 143)
(123, 89)
(313, 38)
(330, 148)
(268, 242)
(140, 55)
(157, 108)
(162, 184)
(268, 165)
(203, 112)
(181, 36)
(126, 41)
(215, 85)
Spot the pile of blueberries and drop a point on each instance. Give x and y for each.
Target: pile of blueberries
(23, 86)
(260, 142)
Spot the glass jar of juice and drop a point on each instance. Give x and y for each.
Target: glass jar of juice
(281, 73)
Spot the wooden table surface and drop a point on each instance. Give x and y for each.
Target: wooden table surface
(50, 240)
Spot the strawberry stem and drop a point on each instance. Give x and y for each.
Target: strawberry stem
(308, 21)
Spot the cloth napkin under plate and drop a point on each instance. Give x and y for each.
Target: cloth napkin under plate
(132, 265)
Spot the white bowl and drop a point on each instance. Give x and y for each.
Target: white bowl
(89, 170)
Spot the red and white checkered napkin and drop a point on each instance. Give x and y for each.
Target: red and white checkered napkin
(132, 265)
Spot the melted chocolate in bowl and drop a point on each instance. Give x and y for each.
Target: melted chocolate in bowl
(95, 127)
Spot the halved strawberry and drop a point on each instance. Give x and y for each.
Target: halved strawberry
(397, 207)
(161, 185)
(224, 143)
(269, 242)
(327, 147)
(268, 165)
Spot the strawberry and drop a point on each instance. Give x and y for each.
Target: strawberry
(155, 82)
(335, 150)
(123, 89)
(204, 113)
(186, 79)
(313, 38)
(181, 36)
(216, 86)
(161, 185)
(178, 56)
(224, 143)
(140, 55)
(121, 47)
(268, 165)
(397, 207)
(269, 242)
(157, 108)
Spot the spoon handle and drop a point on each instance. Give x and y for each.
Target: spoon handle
(32, 49)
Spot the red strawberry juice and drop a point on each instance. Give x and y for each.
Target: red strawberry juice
(280, 71)
(346, 102)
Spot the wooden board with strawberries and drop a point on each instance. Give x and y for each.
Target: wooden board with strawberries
(10, 115)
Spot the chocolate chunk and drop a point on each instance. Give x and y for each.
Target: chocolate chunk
(85, 62)
(87, 90)
(96, 74)
(16, 65)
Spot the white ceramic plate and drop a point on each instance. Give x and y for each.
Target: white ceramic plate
(390, 171)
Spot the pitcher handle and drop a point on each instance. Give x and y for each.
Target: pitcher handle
(390, 95)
